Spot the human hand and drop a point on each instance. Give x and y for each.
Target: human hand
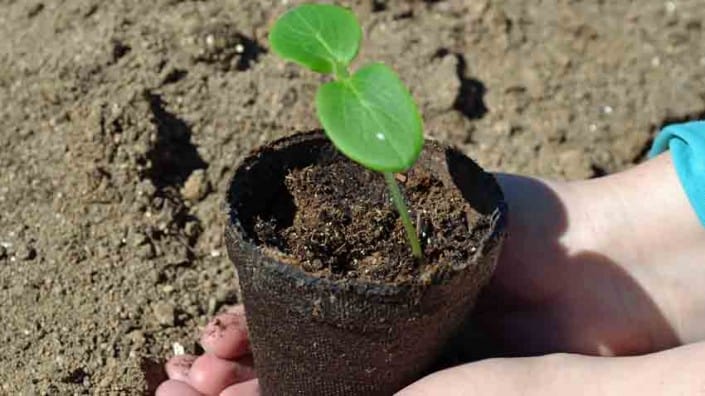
(605, 267)
(573, 277)
(226, 368)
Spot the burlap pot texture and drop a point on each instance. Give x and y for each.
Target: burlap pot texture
(315, 336)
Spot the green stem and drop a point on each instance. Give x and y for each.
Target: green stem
(404, 214)
(341, 71)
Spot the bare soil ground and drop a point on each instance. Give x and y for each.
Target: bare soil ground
(121, 122)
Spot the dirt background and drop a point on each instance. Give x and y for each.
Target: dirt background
(121, 121)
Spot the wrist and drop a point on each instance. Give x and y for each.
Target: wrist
(651, 231)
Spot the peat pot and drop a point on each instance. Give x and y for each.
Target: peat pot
(314, 335)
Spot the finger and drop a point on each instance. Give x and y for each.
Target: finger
(176, 388)
(177, 367)
(527, 376)
(676, 371)
(248, 388)
(210, 374)
(226, 335)
(556, 374)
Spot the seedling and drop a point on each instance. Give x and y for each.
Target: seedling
(369, 115)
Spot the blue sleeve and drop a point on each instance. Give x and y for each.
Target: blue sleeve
(687, 145)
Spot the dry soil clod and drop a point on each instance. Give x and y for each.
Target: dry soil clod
(196, 186)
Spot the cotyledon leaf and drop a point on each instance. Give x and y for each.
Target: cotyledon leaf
(322, 37)
(372, 118)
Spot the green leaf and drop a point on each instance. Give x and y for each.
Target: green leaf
(322, 37)
(372, 118)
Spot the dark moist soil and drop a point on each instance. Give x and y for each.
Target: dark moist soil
(345, 226)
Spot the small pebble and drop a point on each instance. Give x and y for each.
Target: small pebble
(313, 265)
(102, 251)
(138, 239)
(145, 251)
(3, 252)
(191, 229)
(212, 304)
(25, 252)
(196, 186)
(178, 349)
(117, 239)
(146, 188)
(138, 339)
(164, 313)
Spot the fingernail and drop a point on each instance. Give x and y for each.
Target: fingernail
(177, 368)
